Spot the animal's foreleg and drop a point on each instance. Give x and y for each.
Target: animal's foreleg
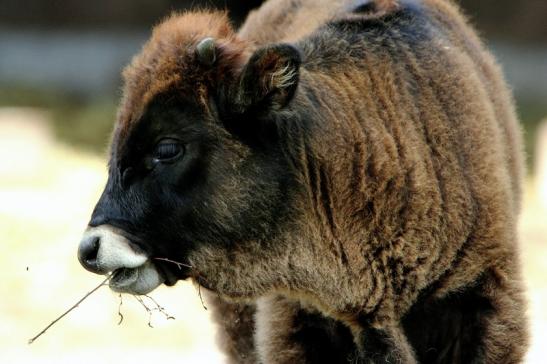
(388, 345)
(236, 328)
(504, 338)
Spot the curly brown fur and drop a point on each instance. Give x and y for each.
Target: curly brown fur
(168, 63)
(458, 170)
(357, 181)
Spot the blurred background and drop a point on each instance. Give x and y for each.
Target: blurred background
(60, 63)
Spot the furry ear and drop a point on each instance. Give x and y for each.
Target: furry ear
(269, 79)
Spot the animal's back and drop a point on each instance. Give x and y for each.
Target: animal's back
(294, 20)
(498, 96)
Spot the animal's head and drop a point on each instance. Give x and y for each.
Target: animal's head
(197, 174)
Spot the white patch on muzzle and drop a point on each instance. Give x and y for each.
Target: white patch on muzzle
(132, 271)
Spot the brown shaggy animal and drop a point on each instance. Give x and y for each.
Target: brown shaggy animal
(343, 176)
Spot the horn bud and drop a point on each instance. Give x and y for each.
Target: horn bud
(206, 52)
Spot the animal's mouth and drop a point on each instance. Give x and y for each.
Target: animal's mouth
(106, 250)
(123, 277)
(140, 280)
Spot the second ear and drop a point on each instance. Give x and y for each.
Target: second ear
(269, 79)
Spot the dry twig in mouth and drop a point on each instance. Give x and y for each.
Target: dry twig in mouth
(149, 310)
(198, 274)
(159, 308)
(120, 309)
(200, 298)
(69, 310)
(179, 265)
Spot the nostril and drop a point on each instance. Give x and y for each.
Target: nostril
(87, 253)
(93, 249)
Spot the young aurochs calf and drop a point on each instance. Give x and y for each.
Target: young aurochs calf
(343, 177)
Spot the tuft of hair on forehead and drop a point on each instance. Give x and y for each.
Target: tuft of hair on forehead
(168, 62)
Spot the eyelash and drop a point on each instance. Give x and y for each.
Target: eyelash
(166, 150)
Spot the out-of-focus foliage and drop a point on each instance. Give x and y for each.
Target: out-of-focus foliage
(107, 14)
(520, 21)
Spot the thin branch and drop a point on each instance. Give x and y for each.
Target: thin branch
(120, 309)
(148, 310)
(198, 275)
(69, 310)
(179, 265)
(199, 294)
(159, 308)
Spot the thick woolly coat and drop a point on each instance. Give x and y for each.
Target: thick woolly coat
(402, 139)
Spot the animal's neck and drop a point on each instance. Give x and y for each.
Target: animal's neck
(346, 158)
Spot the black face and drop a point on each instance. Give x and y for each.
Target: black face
(180, 182)
(189, 181)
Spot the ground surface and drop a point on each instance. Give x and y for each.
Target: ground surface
(47, 192)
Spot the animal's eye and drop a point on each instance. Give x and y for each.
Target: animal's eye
(167, 150)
